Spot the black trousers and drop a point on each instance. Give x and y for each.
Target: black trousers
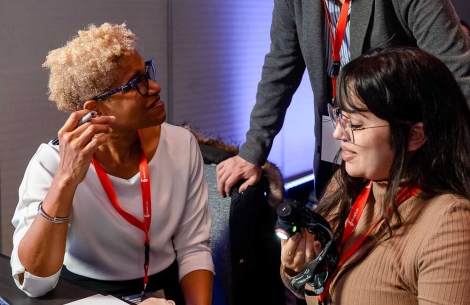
(167, 280)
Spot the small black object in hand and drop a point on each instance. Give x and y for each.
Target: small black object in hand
(292, 216)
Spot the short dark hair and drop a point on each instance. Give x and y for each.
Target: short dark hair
(404, 86)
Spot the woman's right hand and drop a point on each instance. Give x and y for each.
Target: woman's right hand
(298, 251)
(77, 145)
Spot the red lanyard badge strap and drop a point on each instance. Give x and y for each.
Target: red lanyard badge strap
(355, 214)
(146, 204)
(337, 39)
(352, 221)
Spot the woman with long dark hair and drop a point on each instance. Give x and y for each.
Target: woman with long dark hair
(399, 204)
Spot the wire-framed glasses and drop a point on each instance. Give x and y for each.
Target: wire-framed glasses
(140, 83)
(347, 128)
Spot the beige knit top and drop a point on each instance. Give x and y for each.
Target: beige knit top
(427, 260)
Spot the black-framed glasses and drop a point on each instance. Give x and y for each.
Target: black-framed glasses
(347, 129)
(140, 83)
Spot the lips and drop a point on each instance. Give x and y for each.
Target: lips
(156, 103)
(347, 150)
(347, 154)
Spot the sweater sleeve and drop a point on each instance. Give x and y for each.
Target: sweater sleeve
(33, 189)
(443, 266)
(191, 239)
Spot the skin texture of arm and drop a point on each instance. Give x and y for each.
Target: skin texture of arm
(42, 249)
(197, 287)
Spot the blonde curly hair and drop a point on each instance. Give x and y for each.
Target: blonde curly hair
(86, 65)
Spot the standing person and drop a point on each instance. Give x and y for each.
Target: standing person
(120, 205)
(301, 37)
(399, 205)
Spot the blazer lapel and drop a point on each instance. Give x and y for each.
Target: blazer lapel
(361, 14)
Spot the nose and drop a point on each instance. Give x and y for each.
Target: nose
(338, 133)
(154, 88)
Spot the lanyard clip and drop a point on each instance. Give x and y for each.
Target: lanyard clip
(142, 295)
(336, 67)
(147, 254)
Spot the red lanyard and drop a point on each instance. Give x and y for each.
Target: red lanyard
(146, 204)
(352, 221)
(337, 39)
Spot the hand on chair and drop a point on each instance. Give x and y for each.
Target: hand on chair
(230, 171)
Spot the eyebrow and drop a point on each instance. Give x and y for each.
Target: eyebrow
(352, 111)
(358, 113)
(362, 114)
(136, 74)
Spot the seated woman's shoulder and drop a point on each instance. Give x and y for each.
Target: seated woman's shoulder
(45, 158)
(174, 128)
(176, 131)
(47, 152)
(449, 203)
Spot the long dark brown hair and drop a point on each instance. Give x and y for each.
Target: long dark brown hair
(404, 86)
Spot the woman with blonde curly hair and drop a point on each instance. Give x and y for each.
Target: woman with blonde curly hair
(117, 204)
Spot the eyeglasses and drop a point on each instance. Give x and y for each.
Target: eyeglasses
(140, 83)
(347, 128)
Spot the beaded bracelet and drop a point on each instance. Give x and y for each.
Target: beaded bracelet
(51, 219)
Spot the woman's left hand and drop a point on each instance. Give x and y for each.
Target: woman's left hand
(298, 251)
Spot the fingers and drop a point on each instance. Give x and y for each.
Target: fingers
(72, 121)
(288, 250)
(318, 248)
(251, 181)
(227, 176)
(222, 176)
(77, 145)
(230, 183)
(311, 248)
(299, 250)
(314, 246)
(230, 171)
(95, 129)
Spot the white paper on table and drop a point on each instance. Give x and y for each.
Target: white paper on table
(329, 146)
(98, 299)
